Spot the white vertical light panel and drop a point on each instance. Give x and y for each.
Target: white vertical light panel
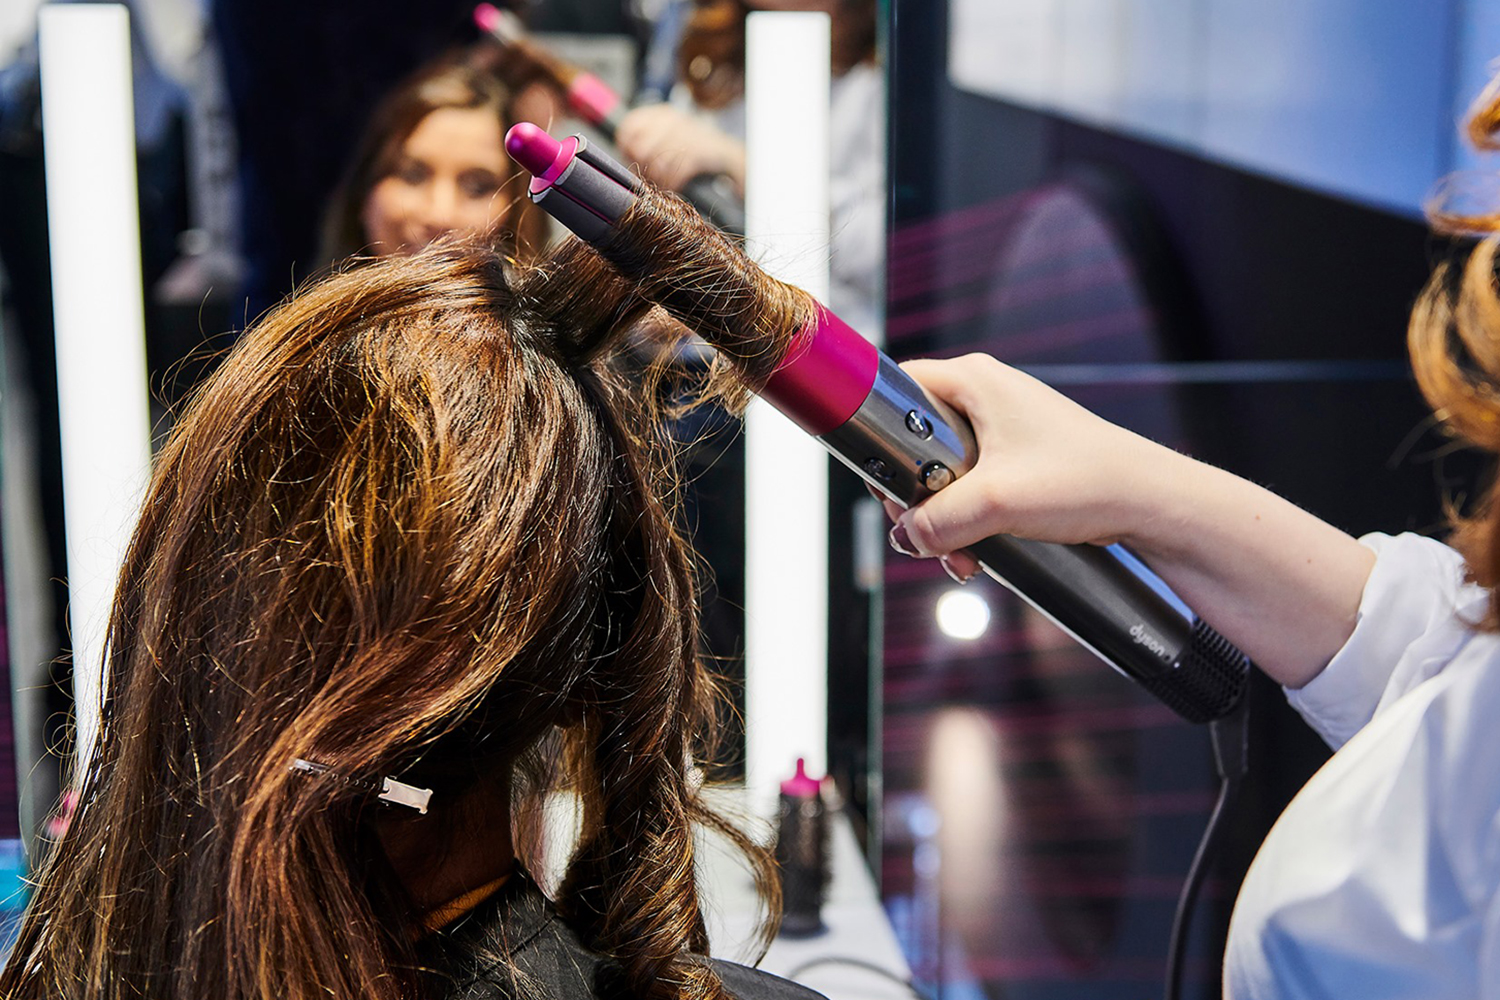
(787, 81)
(93, 220)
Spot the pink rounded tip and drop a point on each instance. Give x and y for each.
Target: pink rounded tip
(487, 16)
(801, 785)
(531, 147)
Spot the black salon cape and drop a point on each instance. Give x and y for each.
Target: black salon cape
(521, 922)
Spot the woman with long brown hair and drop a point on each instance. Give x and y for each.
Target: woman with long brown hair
(1382, 878)
(432, 161)
(408, 562)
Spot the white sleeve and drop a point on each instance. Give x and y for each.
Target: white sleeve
(1415, 615)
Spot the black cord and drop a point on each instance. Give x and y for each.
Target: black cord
(858, 963)
(1229, 736)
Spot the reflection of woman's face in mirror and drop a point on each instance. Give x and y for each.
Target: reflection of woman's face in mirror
(446, 177)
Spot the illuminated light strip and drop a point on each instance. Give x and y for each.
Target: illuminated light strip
(93, 220)
(787, 168)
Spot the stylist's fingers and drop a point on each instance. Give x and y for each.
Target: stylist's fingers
(970, 508)
(664, 163)
(957, 517)
(960, 565)
(959, 381)
(643, 134)
(667, 145)
(960, 515)
(1048, 469)
(628, 135)
(892, 508)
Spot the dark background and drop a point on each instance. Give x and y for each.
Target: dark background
(1039, 811)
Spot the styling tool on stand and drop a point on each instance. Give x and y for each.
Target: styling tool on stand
(802, 853)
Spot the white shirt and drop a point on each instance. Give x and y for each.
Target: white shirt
(1379, 882)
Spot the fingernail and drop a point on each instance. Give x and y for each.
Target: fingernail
(954, 574)
(901, 541)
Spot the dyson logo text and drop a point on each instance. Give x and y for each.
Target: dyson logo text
(1151, 642)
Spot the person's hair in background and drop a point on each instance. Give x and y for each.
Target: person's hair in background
(419, 523)
(711, 55)
(432, 159)
(1454, 338)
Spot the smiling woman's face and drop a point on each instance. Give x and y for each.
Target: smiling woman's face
(446, 177)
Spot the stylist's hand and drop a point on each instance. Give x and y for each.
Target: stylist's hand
(671, 147)
(1048, 469)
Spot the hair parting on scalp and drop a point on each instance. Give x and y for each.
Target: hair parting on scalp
(420, 519)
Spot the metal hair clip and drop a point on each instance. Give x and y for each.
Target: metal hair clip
(385, 789)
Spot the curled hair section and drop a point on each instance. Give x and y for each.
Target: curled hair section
(663, 253)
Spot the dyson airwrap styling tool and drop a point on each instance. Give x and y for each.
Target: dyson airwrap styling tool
(879, 422)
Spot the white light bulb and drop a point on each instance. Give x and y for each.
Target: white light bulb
(962, 614)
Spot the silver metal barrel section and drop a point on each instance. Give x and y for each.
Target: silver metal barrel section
(901, 441)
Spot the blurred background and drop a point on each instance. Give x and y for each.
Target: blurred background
(1202, 218)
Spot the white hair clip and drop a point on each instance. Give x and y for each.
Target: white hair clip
(385, 789)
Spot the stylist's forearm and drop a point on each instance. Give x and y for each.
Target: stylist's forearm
(1273, 579)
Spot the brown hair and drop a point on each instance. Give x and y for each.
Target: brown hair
(711, 57)
(1454, 339)
(416, 522)
(462, 79)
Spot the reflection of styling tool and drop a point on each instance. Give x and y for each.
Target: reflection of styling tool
(836, 386)
(593, 101)
(589, 97)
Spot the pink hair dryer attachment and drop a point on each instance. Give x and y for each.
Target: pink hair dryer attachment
(875, 419)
